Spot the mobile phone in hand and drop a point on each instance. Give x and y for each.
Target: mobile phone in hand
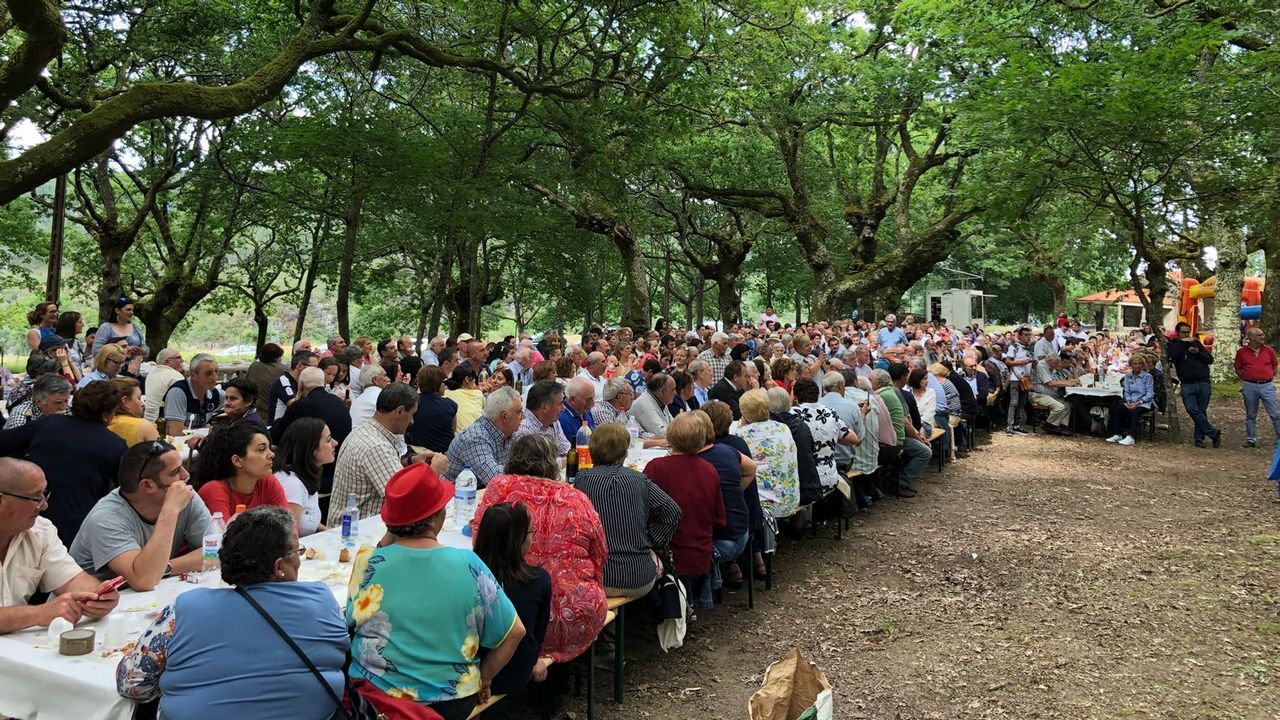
(110, 585)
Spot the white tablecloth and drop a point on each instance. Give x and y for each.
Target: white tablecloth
(1096, 391)
(36, 683)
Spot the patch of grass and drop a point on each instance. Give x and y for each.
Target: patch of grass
(1265, 539)
(1229, 390)
(1269, 628)
(1254, 673)
(887, 626)
(1126, 712)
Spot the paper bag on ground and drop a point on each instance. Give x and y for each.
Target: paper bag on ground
(791, 686)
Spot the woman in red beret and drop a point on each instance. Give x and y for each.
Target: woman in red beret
(423, 610)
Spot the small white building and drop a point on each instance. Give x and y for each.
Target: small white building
(958, 306)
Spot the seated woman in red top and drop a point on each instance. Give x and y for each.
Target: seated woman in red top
(695, 486)
(234, 468)
(568, 542)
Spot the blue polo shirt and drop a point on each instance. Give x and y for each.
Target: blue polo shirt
(571, 423)
(888, 338)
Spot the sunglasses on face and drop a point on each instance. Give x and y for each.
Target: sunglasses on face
(155, 450)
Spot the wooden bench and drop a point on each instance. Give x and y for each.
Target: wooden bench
(546, 662)
(935, 439)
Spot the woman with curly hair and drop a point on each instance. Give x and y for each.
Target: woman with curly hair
(234, 467)
(213, 648)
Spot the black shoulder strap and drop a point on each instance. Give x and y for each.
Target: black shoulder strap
(284, 635)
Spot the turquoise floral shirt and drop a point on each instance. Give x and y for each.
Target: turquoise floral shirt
(421, 617)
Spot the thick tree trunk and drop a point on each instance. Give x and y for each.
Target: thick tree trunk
(1058, 289)
(729, 301)
(635, 295)
(111, 287)
(261, 320)
(351, 230)
(1232, 257)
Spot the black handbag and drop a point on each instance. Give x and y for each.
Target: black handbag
(360, 707)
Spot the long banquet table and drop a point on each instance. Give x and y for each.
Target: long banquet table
(37, 683)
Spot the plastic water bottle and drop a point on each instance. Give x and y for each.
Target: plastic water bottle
(464, 500)
(350, 521)
(211, 562)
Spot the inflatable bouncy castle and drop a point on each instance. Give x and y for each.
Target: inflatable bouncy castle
(1192, 309)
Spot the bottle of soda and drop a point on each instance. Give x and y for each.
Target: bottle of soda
(240, 507)
(350, 521)
(584, 447)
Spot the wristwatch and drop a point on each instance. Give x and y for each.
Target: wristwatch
(168, 569)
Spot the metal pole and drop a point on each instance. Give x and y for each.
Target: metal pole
(53, 282)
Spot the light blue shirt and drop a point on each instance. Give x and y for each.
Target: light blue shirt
(888, 338)
(224, 660)
(701, 394)
(1139, 389)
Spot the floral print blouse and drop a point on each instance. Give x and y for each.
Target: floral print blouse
(777, 467)
(827, 429)
(569, 543)
(421, 617)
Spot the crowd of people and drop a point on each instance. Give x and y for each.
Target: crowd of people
(763, 424)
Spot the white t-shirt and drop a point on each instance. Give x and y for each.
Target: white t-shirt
(296, 493)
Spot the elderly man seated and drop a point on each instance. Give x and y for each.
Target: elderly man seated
(36, 561)
(50, 395)
(615, 403)
(542, 414)
(483, 445)
(579, 396)
(1046, 393)
(650, 409)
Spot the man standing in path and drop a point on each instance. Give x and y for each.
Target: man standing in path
(1192, 360)
(1256, 363)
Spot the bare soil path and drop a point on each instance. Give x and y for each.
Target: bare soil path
(1039, 578)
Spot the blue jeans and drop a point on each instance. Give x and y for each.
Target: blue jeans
(1195, 398)
(916, 456)
(722, 551)
(1264, 392)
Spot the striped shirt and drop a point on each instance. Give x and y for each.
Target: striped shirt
(366, 461)
(637, 516)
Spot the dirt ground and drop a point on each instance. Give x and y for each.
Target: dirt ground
(1041, 577)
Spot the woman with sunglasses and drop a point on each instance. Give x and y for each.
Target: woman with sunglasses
(121, 331)
(213, 647)
(107, 363)
(234, 467)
